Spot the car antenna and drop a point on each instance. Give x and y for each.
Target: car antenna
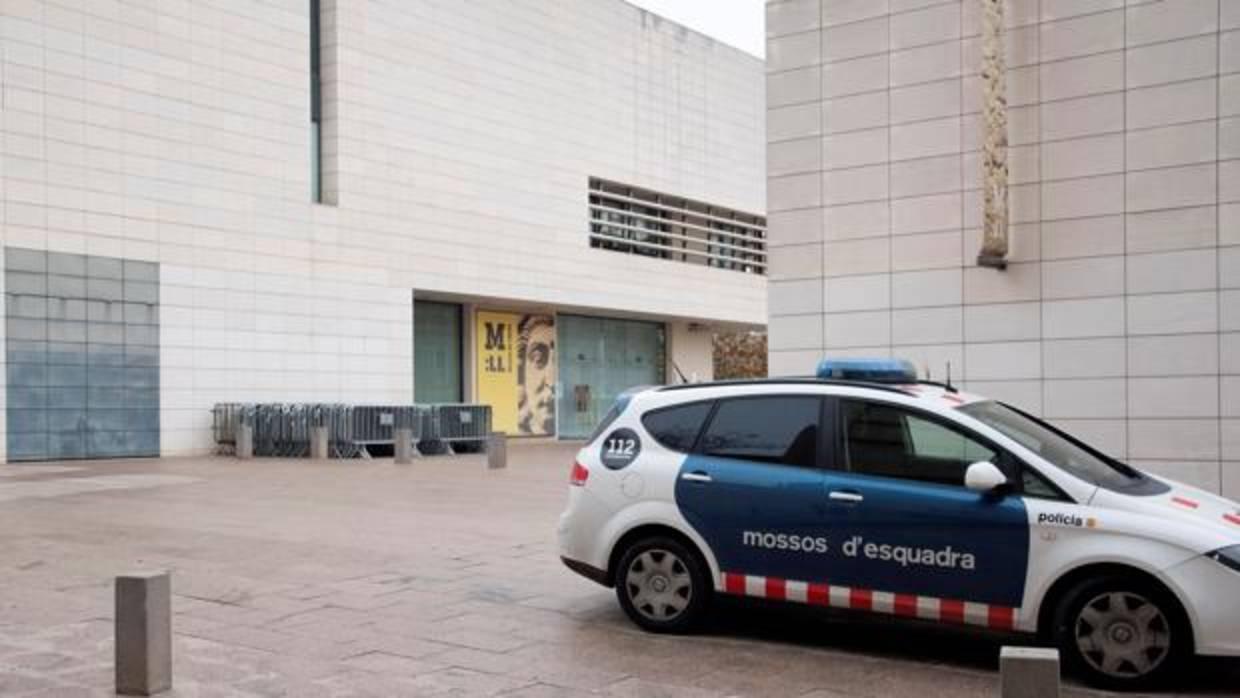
(948, 384)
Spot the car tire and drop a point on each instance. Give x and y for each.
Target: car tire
(1121, 633)
(663, 585)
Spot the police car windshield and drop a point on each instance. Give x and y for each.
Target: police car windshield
(1054, 446)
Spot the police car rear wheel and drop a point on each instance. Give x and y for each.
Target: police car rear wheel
(661, 585)
(1121, 633)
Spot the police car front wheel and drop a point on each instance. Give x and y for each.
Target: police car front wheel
(662, 585)
(1121, 633)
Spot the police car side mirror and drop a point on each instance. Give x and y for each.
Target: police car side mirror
(984, 477)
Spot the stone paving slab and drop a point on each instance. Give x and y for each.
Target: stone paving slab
(352, 578)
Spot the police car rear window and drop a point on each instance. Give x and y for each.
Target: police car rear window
(612, 415)
(776, 429)
(677, 427)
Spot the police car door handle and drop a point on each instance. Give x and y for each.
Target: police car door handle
(696, 477)
(846, 496)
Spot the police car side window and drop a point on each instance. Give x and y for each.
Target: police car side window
(677, 427)
(1033, 485)
(930, 440)
(886, 440)
(776, 429)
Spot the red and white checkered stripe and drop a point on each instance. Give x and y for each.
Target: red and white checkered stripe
(906, 605)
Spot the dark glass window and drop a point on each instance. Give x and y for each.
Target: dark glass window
(778, 429)
(316, 105)
(82, 356)
(437, 352)
(891, 441)
(639, 221)
(1054, 446)
(617, 409)
(1034, 485)
(677, 427)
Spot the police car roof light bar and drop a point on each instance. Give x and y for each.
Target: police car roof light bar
(869, 370)
(808, 380)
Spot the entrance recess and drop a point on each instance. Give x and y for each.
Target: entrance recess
(599, 359)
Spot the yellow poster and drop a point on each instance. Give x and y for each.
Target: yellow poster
(516, 371)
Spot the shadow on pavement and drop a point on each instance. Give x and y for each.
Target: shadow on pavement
(912, 641)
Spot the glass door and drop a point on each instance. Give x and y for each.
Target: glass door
(599, 359)
(436, 352)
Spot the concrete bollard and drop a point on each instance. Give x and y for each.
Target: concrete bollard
(318, 443)
(403, 437)
(497, 450)
(245, 441)
(1029, 672)
(143, 633)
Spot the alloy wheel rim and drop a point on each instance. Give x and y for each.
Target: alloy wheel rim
(659, 585)
(1123, 635)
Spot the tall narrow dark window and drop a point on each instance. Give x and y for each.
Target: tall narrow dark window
(316, 107)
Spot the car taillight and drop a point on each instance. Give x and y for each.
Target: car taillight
(577, 476)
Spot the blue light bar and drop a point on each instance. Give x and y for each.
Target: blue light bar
(870, 370)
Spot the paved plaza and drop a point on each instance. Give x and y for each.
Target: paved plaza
(356, 578)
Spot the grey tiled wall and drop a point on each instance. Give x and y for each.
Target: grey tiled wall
(1119, 315)
(82, 350)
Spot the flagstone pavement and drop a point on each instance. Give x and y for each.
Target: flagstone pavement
(365, 578)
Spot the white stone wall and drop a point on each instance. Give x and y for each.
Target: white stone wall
(1119, 316)
(460, 140)
(690, 348)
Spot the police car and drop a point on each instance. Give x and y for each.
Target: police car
(866, 489)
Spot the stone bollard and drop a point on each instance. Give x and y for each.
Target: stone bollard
(318, 443)
(143, 633)
(497, 450)
(403, 437)
(245, 441)
(1029, 672)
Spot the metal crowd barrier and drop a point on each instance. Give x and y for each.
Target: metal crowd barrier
(462, 425)
(377, 424)
(283, 429)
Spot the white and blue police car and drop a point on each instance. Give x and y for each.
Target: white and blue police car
(866, 489)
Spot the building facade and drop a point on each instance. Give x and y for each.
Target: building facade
(525, 203)
(1118, 315)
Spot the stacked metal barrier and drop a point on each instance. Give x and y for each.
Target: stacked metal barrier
(283, 429)
(340, 436)
(225, 418)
